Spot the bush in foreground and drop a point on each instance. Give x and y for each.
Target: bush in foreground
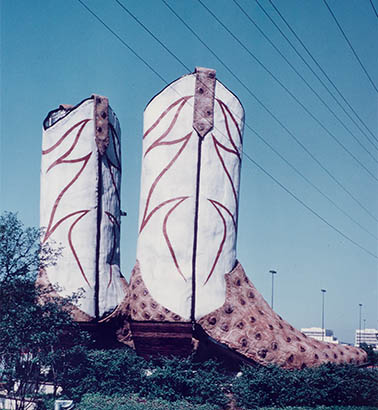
(182, 379)
(107, 372)
(99, 402)
(120, 372)
(327, 385)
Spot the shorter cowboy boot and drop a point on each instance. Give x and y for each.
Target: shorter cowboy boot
(80, 208)
(192, 148)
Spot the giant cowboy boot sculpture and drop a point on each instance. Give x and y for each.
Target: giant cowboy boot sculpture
(80, 208)
(188, 208)
(186, 270)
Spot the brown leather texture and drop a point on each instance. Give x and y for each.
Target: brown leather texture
(142, 306)
(247, 324)
(203, 112)
(120, 318)
(101, 107)
(49, 292)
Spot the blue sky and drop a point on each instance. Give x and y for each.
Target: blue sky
(56, 52)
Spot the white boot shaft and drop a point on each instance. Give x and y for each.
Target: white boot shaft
(189, 194)
(80, 203)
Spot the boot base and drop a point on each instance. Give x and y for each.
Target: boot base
(108, 332)
(49, 292)
(244, 327)
(152, 339)
(248, 325)
(142, 305)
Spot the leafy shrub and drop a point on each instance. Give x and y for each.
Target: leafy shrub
(101, 402)
(372, 355)
(322, 408)
(325, 385)
(121, 372)
(178, 379)
(110, 372)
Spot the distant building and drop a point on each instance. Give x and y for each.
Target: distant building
(368, 336)
(324, 335)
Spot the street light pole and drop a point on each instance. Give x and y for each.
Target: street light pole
(359, 339)
(323, 330)
(273, 272)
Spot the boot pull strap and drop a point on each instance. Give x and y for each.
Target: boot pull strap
(101, 122)
(203, 115)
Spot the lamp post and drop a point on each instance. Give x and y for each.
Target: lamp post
(359, 338)
(273, 272)
(323, 330)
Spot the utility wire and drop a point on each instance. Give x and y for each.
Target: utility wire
(253, 130)
(289, 92)
(307, 207)
(123, 42)
(375, 10)
(272, 114)
(322, 70)
(350, 45)
(313, 71)
(310, 183)
(245, 154)
(303, 79)
(153, 35)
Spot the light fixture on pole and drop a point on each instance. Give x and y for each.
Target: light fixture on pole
(323, 330)
(359, 338)
(273, 272)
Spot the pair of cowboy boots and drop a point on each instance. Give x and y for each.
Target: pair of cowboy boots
(186, 271)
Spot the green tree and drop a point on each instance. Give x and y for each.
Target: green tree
(34, 327)
(371, 353)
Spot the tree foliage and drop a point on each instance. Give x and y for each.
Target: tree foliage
(372, 354)
(22, 253)
(329, 385)
(33, 327)
(39, 342)
(116, 374)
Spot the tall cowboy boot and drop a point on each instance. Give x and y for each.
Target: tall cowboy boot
(80, 207)
(188, 229)
(189, 203)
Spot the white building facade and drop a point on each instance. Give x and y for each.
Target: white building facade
(324, 335)
(368, 336)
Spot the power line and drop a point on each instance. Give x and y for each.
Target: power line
(308, 207)
(311, 69)
(350, 45)
(375, 10)
(310, 183)
(247, 125)
(271, 114)
(123, 42)
(322, 70)
(245, 154)
(289, 92)
(303, 79)
(153, 35)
